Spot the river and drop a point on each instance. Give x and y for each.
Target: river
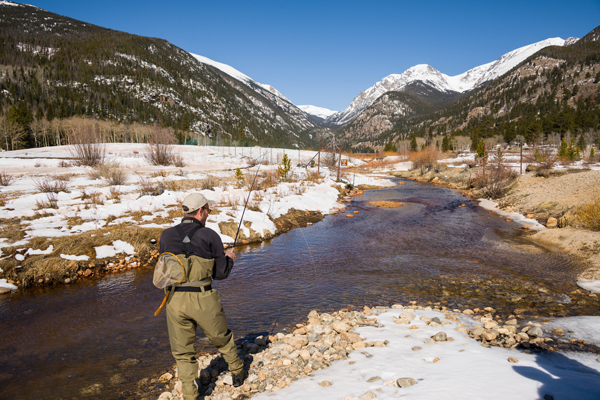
(57, 340)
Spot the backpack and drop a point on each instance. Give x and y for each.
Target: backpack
(169, 271)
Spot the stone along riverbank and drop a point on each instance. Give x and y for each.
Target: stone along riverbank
(324, 340)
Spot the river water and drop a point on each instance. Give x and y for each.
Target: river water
(58, 340)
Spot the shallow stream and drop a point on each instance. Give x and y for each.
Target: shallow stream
(58, 340)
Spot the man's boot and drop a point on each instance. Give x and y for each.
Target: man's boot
(238, 379)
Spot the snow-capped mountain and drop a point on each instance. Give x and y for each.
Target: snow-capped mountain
(318, 112)
(268, 91)
(442, 82)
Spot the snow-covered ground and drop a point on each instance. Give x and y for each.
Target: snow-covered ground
(458, 369)
(94, 201)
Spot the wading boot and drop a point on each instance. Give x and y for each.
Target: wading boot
(238, 379)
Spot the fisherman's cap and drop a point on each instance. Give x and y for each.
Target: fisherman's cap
(193, 202)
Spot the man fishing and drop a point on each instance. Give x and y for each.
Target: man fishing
(195, 303)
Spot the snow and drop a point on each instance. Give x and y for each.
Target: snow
(49, 250)
(425, 73)
(76, 214)
(464, 369)
(4, 283)
(585, 328)
(317, 111)
(74, 257)
(118, 246)
(591, 285)
(229, 70)
(515, 217)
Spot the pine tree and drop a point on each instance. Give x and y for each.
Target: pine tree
(445, 144)
(413, 143)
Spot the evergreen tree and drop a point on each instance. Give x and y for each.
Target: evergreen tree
(445, 144)
(481, 153)
(390, 147)
(413, 143)
(50, 113)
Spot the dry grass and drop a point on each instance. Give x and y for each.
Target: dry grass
(148, 188)
(64, 177)
(5, 178)
(51, 185)
(589, 214)
(64, 164)
(159, 174)
(11, 229)
(209, 183)
(137, 215)
(425, 159)
(115, 194)
(51, 268)
(386, 204)
(496, 181)
(112, 172)
(51, 202)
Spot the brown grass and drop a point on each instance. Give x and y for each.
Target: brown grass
(51, 202)
(425, 159)
(5, 178)
(51, 185)
(589, 214)
(386, 204)
(51, 268)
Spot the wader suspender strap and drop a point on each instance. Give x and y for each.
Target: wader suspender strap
(187, 239)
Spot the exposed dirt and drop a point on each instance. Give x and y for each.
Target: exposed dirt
(386, 204)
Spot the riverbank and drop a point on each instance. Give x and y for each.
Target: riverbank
(421, 351)
(551, 202)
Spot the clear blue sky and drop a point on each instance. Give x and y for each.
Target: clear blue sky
(325, 53)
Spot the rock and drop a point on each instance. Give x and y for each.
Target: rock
(429, 341)
(405, 382)
(489, 336)
(68, 280)
(468, 312)
(305, 354)
(536, 331)
(416, 348)
(461, 329)
(558, 331)
(523, 336)
(512, 360)
(300, 331)
(165, 378)
(407, 315)
(397, 305)
(340, 327)
(166, 396)
(297, 341)
(414, 327)
(511, 322)
(367, 396)
(130, 362)
(178, 388)
(313, 337)
(373, 379)
(228, 380)
(551, 223)
(390, 382)
(4, 290)
(92, 390)
(325, 383)
(358, 345)
(117, 379)
(349, 216)
(436, 320)
(440, 337)
(350, 337)
(260, 341)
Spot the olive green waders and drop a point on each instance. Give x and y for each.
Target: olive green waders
(188, 310)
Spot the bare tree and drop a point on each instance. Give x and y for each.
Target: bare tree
(11, 133)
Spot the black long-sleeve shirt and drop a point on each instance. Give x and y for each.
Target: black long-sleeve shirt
(205, 243)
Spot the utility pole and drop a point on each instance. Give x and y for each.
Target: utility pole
(339, 163)
(319, 159)
(521, 158)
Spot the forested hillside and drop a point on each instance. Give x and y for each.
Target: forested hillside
(53, 68)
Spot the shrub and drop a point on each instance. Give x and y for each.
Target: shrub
(87, 148)
(178, 161)
(285, 167)
(239, 177)
(496, 181)
(115, 194)
(159, 150)
(589, 214)
(117, 177)
(5, 179)
(425, 159)
(64, 164)
(148, 188)
(209, 183)
(50, 185)
(51, 202)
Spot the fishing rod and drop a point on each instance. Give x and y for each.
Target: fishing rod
(246, 205)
